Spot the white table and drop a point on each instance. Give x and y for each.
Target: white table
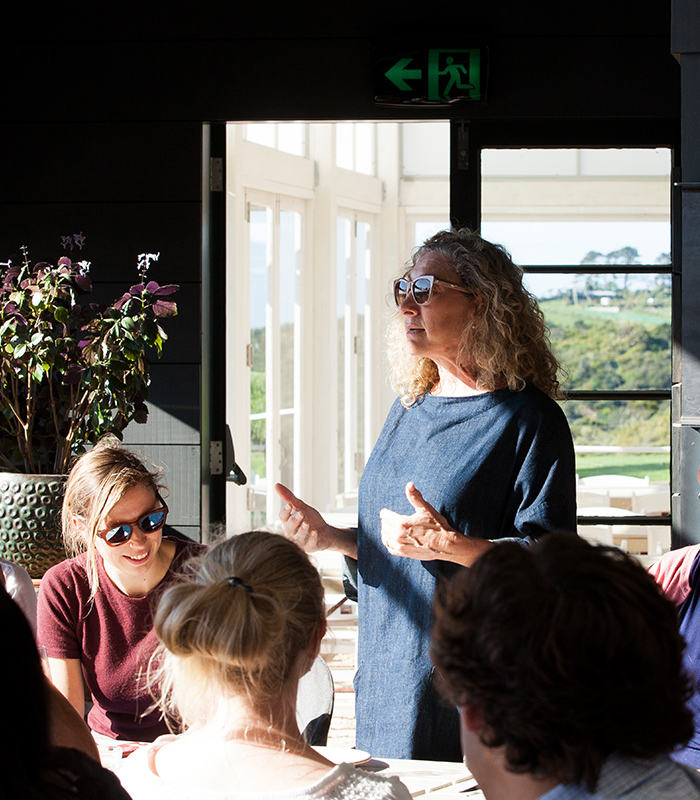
(446, 780)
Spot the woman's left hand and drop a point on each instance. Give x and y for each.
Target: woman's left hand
(426, 535)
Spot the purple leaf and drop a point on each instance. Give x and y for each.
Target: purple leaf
(164, 308)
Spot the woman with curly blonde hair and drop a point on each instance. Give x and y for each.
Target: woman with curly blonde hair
(506, 344)
(473, 451)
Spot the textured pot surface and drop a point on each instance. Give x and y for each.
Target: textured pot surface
(30, 520)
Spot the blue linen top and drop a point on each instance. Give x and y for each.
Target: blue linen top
(496, 465)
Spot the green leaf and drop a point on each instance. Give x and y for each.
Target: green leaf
(61, 315)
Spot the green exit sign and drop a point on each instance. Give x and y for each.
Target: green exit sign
(430, 76)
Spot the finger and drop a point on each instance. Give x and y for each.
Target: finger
(415, 498)
(286, 494)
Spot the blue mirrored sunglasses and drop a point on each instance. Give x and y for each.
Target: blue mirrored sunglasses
(150, 523)
(421, 288)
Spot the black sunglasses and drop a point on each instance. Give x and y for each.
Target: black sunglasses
(150, 523)
(421, 289)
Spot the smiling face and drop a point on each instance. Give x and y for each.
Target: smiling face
(434, 330)
(135, 566)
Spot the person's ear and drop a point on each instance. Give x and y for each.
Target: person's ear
(471, 716)
(78, 523)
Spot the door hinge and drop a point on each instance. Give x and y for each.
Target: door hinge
(216, 458)
(216, 174)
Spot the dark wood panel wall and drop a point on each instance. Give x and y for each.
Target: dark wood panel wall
(102, 117)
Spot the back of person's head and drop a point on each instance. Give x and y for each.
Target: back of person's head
(240, 627)
(96, 483)
(24, 705)
(570, 651)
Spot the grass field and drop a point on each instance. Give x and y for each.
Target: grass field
(655, 465)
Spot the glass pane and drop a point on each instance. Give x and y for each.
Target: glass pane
(622, 456)
(645, 540)
(260, 257)
(555, 242)
(261, 133)
(567, 206)
(343, 271)
(424, 230)
(626, 424)
(344, 145)
(609, 331)
(290, 137)
(364, 147)
(425, 149)
(363, 277)
(290, 266)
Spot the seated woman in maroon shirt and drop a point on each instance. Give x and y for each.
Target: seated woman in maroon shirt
(95, 610)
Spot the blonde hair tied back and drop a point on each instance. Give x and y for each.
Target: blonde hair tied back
(238, 628)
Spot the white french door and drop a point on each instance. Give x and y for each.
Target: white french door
(275, 247)
(354, 350)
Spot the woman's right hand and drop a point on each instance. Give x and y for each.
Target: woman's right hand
(302, 523)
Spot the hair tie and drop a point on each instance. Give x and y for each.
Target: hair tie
(233, 581)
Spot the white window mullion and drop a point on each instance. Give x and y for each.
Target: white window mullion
(272, 368)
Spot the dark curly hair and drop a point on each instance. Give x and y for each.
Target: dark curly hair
(570, 651)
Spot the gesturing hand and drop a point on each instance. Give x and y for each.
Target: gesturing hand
(302, 523)
(424, 535)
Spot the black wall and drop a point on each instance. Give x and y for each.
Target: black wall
(102, 112)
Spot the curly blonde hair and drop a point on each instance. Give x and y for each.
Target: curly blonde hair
(509, 345)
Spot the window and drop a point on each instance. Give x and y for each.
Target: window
(316, 235)
(353, 271)
(289, 137)
(275, 250)
(592, 230)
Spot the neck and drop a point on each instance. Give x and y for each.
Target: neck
(272, 725)
(524, 787)
(455, 382)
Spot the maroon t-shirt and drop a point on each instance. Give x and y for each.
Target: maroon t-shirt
(114, 639)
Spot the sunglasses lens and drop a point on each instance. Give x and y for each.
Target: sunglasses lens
(152, 522)
(421, 290)
(118, 535)
(400, 291)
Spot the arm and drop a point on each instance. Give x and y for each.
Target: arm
(67, 677)
(426, 534)
(673, 572)
(304, 525)
(67, 727)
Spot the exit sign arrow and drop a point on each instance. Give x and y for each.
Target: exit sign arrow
(398, 74)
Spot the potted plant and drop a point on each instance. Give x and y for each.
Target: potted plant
(71, 372)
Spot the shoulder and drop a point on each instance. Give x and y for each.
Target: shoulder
(71, 573)
(674, 572)
(348, 783)
(184, 551)
(21, 589)
(532, 403)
